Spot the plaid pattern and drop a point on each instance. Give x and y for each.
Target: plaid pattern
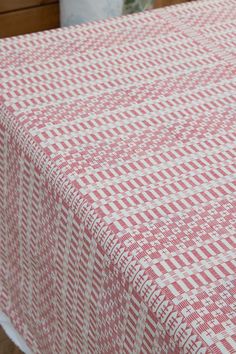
(117, 183)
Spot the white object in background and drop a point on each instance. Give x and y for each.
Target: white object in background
(79, 11)
(13, 334)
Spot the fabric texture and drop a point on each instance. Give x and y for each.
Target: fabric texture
(118, 183)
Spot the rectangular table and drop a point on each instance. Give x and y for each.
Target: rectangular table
(118, 183)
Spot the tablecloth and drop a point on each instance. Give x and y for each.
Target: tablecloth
(118, 183)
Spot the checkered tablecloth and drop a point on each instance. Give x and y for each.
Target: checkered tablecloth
(118, 184)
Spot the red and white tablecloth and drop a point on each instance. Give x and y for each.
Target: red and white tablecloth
(118, 184)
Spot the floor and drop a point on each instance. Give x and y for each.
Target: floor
(6, 346)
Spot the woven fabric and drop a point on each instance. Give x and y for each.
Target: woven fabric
(118, 183)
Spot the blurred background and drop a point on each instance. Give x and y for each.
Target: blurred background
(26, 16)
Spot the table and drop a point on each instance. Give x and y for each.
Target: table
(161, 3)
(117, 183)
(26, 16)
